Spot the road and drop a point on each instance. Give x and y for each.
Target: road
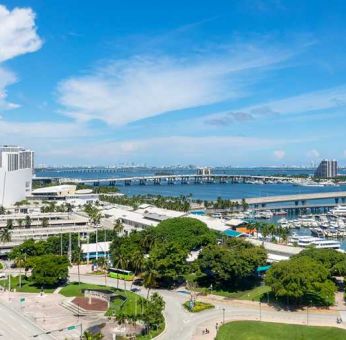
(183, 325)
(14, 325)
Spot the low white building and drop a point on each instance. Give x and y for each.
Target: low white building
(92, 251)
(54, 192)
(16, 168)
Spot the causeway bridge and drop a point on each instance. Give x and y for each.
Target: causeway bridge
(179, 179)
(298, 199)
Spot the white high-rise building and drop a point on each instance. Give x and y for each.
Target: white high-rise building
(16, 169)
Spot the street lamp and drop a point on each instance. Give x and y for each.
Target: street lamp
(223, 316)
(260, 311)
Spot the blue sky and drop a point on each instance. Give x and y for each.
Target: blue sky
(240, 83)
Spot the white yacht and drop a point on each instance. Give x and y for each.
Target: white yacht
(305, 241)
(340, 210)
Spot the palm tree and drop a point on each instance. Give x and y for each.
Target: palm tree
(20, 262)
(137, 262)
(9, 224)
(244, 204)
(118, 226)
(5, 235)
(27, 221)
(45, 222)
(150, 276)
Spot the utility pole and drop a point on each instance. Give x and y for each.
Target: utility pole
(70, 247)
(97, 254)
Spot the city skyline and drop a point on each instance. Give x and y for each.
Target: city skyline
(251, 83)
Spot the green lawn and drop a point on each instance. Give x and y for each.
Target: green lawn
(75, 289)
(133, 304)
(254, 294)
(255, 330)
(27, 285)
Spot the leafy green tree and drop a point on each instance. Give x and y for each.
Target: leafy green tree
(169, 262)
(332, 260)
(48, 270)
(232, 265)
(154, 307)
(189, 233)
(301, 280)
(2, 210)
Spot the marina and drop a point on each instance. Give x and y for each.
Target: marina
(296, 203)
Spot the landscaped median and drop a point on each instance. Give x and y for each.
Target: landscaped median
(197, 306)
(250, 330)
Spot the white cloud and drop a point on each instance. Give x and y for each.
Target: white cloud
(279, 154)
(296, 106)
(17, 36)
(17, 32)
(313, 153)
(6, 78)
(129, 90)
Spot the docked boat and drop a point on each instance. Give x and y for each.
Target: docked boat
(321, 243)
(340, 210)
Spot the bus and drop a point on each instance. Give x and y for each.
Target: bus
(121, 274)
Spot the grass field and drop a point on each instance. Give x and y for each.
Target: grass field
(254, 294)
(27, 286)
(255, 330)
(133, 304)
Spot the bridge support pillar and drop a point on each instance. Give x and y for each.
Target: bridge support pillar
(336, 200)
(128, 182)
(170, 181)
(296, 203)
(157, 181)
(96, 184)
(263, 205)
(142, 182)
(112, 183)
(343, 200)
(184, 180)
(303, 202)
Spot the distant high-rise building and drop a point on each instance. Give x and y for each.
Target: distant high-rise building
(16, 169)
(327, 169)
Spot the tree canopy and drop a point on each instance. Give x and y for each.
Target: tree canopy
(188, 232)
(48, 270)
(332, 260)
(301, 280)
(231, 265)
